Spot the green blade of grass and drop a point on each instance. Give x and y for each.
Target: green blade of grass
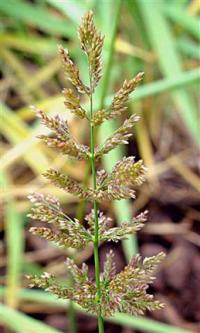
(168, 59)
(34, 45)
(184, 19)
(19, 322)
(14, 245)
(189, 48)
(36, 16)
(146, 325)
(173, 84)
(70, 9)
(17, 131)
(140, 323)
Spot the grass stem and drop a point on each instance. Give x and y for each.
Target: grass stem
(96, 236)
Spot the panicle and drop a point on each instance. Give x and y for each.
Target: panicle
(150, 263)
(125, 291)
(92, 44)
(120, 99)
(72, 102)
(120, 136)
(72, 71)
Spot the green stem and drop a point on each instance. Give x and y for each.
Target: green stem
(96, 223)
(72, 317)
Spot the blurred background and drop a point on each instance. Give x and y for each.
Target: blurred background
(161, 38)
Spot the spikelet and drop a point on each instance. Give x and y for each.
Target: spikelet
(72, 71)
(61, 292)
(120, 99)
(63, 239)
(129, 286)
(68, 184)
(91, 43)
(115, 192)
(125, 229)
(84, 290)
(129, 173)
(102, 176)
(137, 271)
(71, 233)
(121, 183)
(48, 282)
(80, 275)
(69, 147)
(45, 208)
(60, 137)
(120, 136)
(104, 222)
(72, 102)
(43, 281)
(109, 268)
(56, 124)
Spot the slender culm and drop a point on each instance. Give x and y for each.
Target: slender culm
(108, 292)
(95, 206)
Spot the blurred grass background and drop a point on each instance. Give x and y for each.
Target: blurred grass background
(158, 37)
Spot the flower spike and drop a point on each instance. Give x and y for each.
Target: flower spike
(110, 291)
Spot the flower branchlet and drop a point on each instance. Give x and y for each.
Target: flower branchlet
(120, 136)
(118, 105)
(72, 103)
(60, 137)
(110, 291)
(91, 43)
(72, 72)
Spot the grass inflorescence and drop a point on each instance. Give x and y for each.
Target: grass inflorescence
(110, 291)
